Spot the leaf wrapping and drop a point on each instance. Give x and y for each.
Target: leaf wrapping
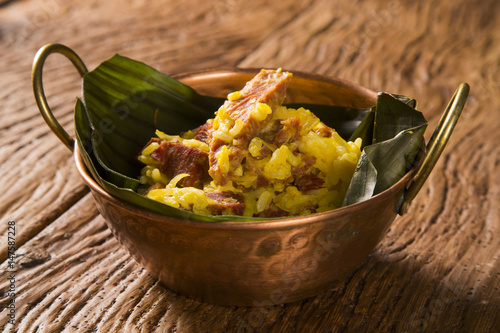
(398, 130)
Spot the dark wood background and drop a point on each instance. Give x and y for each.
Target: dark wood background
(437, 269)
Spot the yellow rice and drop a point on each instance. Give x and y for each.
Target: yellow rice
(335, 162)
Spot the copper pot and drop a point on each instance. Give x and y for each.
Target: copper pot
(258, 263)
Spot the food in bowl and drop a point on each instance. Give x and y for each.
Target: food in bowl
(256, 157)
(239, 264)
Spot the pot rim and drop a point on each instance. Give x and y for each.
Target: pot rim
(224, 71)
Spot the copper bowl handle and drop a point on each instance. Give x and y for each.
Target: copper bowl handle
(41, 100)
(436, 144)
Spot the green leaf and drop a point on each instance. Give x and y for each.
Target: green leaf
(83, 134)
(365, 129)
(127, 101)
(393, 115)
(398, 131)
(394, 157)
(363, 182)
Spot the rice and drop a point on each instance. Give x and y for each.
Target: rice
(295, 165)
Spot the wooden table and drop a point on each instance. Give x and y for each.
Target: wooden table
(436, 270)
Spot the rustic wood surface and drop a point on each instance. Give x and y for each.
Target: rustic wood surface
(436, 270)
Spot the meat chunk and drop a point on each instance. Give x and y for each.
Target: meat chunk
(308, 181)
(176, 158)
(289, 131)
(249, 109)
(274, 211)
(226, 201)
(305, 164)
(201, 133)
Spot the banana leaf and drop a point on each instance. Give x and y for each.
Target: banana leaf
(398, 130)
(365, 127)
(125, 102)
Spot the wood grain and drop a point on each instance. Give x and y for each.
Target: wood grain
(436, 270)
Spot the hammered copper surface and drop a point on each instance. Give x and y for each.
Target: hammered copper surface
(255, 263)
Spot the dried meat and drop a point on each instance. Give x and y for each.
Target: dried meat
(240, 119)
(176, 158)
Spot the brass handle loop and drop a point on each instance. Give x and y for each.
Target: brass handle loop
(437, 142)
(41, 100)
